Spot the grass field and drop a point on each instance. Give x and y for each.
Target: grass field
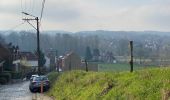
(147, 84)
(120, 67)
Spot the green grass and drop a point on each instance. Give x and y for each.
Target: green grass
(52, 76)
(148, 84)
(120, 67)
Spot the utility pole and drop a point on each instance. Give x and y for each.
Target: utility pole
(131, 56)
(38, 33)
(86, 65)
(38, 45)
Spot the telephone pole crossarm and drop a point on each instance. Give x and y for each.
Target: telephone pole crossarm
(28, 19)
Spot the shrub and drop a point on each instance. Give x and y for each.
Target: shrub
(52, 76)
(6, 75)
(3, 80)
(16, 75)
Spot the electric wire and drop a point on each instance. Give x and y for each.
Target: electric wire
(25, 6)
(33, 3)
(30, 5)
(21, 9)
(42, 10)
(14, 27)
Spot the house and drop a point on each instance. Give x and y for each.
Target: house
(47, 63)
(4, 52)
(108, 57)
(5, 56)
(71, 61)
(25, 60)
(51, 59)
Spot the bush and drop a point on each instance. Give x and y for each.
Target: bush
(3, 80)
(16, 75)
(52, 76)
(6, 75)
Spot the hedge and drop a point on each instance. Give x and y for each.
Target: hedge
(6, 75)
(3, 80)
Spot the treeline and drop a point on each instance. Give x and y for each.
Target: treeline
(62, 43)
(145, 45)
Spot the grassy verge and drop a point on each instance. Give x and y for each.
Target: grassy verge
(150, 84)
(120, 67)
(52, 76)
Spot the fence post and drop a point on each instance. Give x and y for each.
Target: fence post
(58, 65)
(131, 56)
(86, 65)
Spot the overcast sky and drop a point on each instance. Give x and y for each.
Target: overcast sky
(84, 15)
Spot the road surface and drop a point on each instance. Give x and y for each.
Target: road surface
(18, 91)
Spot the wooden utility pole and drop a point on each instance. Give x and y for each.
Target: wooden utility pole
(131, 56)
(38, 45)
(70, 64)
(86, 65)
(38, 39)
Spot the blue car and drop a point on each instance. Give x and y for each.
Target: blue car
(37, 81)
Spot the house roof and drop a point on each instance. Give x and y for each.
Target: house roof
(28, 55)
(69, 54)
(30, 63)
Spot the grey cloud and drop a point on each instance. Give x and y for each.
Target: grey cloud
(87, 14)
(12, 9)
(61, 13)
(160, 19)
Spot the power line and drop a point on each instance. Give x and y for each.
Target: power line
(43, 4)
(14, 27)
(21, 9)
(30, 5)
(33, 6)
(25, 6)
(21, 6)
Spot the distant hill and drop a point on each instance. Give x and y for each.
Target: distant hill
(96, 32)
(122, 33)
(150, 43)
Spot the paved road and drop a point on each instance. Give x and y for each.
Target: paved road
(19, 91)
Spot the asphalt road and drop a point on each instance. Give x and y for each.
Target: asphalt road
(18, 91)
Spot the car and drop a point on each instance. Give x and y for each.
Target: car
(37, 81)
(33, 77)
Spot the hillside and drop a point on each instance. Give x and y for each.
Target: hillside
(147, 44)
(151, 84)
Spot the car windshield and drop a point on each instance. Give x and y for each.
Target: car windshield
(37, 79)
(34, 75)
(40, 78)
